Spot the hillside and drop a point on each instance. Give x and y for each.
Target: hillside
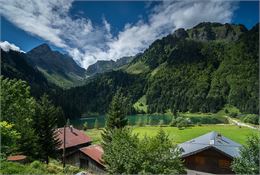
(58, 68)
(14, 65)
(183, 71)
(102, 66)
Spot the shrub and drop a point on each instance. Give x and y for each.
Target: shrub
(233, 114)
(161, 123)
(85, 126)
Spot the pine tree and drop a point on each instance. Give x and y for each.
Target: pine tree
(116, 117)
(45, 123)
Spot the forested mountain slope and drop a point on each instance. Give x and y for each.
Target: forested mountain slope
(199, 70)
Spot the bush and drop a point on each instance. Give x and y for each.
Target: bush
(251, 118)
(161, 123)
(85, 126)
(233, 114)
(139, 122)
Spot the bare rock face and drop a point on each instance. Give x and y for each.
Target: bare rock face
(180, 33)
(215, 31)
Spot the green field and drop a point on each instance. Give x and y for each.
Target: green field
(178, 136)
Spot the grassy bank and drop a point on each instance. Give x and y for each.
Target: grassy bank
(178, 136)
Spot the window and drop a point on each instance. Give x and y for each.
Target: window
(224, 163)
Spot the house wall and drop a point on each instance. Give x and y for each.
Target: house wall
(83, 161)
(210, 160)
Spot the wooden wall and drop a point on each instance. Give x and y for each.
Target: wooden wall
(209, 160)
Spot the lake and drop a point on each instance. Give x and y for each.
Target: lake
(132, 120)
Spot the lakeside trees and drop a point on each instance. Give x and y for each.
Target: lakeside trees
(124, 152)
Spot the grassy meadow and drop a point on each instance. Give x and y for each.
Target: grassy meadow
(181, 135)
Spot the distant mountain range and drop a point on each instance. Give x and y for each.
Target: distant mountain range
(102, 66)
(201, 69)
(58, 68)
(61, 70)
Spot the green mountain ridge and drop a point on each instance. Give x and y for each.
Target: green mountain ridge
(199, 70)
(58, 68)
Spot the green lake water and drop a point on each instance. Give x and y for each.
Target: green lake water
(132, 120)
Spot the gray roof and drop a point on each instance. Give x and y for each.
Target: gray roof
(210, 140)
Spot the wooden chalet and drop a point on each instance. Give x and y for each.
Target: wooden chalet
(75, 139)
(89, 157)
(210, 153)
(79, 151)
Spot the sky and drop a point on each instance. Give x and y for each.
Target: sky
(102, 30)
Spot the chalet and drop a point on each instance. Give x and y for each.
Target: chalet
(17, 158)
(89, 157)
(75, 139)
(79, 151)
(211, 153)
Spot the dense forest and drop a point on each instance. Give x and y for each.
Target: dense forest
(198, 70)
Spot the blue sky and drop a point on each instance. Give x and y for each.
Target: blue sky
(90, 31)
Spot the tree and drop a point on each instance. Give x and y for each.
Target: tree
(127, 154)
(45, 121)
(248, 162)
(161, 123)
(18, 108)
(116, 117)
(9, 138)
(85, 126)
(122, 155)
(96, 125)
(160, 155)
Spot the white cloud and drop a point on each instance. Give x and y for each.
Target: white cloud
(87, 43)
(6, 46)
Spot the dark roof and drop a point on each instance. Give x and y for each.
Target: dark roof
(16, 158)
(210, 140)
(95, 152)
(74, 137)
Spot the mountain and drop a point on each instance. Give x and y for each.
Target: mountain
(201, 69)
(58, 68)
(102, 66)
(14, 66)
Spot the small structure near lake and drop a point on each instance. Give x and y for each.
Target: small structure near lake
(79, 151)
(211, 153)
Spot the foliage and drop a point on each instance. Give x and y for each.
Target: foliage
(45, 122)
(160, 155)
(127, 154)
(250, 118)
(85, 125)
(9, 137)
(18, 108)
(96, 125)
(248, 163)
(116, 117)
(121, 155)
(36, 167)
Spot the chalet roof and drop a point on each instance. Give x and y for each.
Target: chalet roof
(95, 152)
(74, 137)
(210, 140)
(16, 158)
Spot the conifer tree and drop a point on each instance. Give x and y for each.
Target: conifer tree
(45, 123)
(116, 117)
